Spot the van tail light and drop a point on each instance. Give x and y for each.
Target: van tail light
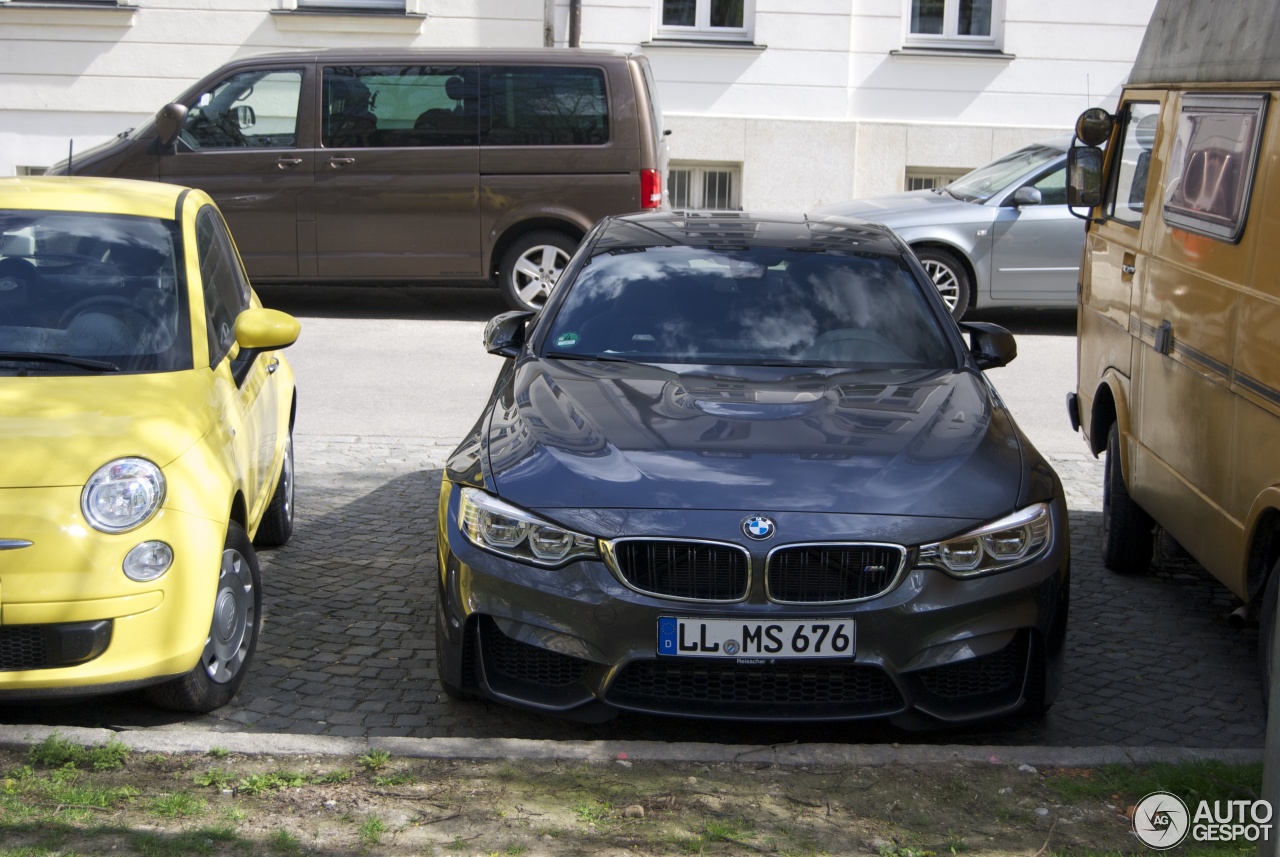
(650, 189)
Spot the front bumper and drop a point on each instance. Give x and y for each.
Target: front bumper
(579, 643)
(70, 621)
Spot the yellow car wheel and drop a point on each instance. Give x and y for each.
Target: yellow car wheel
(233, 634)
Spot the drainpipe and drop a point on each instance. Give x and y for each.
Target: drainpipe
(549, 23)
(575, 23)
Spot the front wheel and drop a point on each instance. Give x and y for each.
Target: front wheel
(950, 278)
(532, 266)
(233, 634)
(1128, 537)
(1267, 634)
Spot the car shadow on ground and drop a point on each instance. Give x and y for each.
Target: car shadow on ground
(1038, 322)
(444, 303)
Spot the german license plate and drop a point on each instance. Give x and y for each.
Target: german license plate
(738, 638)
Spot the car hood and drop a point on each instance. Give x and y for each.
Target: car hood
(917, 207)
(57, 430)
(570, 434)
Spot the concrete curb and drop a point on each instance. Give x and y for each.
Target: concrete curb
(486, 749)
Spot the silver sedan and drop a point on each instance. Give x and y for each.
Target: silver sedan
(1000, 235)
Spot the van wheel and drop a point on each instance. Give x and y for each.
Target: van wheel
(233, 634)
(949, 277)
(532, 266)
(1128, 537)
(1267, 633)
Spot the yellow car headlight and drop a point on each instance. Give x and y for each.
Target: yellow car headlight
(122, 495)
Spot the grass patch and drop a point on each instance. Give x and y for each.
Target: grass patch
(1191, 781)
(56, 752)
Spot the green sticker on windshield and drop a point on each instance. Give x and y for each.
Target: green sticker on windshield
(567, 340)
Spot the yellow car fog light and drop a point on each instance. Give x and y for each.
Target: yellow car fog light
(148, 561)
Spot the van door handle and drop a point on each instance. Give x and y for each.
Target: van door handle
(1129, 269)
(286, 163)
(1129, 266)
(339, 163)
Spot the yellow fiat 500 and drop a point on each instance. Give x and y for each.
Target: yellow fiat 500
(146, 421)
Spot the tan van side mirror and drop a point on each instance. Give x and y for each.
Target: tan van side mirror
(169, 121)
(1084, 177)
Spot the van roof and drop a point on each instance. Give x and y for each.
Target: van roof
(1193, 41)
(436, 55)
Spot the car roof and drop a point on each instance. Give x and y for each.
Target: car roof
(738, 229)
(93, 195)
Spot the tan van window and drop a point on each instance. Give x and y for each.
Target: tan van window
(1211, 167)
(388, 106)
(249, 110)
(1128, 191)
(544, 106)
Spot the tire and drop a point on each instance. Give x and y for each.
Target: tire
(531, 266)
(277, 523)
(233, 635)
(1128, 537)
(950, 277)
(1267, 634)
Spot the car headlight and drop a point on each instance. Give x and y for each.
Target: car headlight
(997, 546)
(122, 495)
(494, 525)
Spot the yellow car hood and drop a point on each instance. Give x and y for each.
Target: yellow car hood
(56, 431)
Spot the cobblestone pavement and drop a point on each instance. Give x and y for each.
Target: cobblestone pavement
(347, 644)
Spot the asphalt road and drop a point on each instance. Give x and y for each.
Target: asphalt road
(390, 378)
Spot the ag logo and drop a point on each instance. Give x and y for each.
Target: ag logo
(758, 528)
(1161, 820)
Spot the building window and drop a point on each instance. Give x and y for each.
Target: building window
(706, 187)
(30, 171)
(952, 24)
(924, 178)
(728, 20)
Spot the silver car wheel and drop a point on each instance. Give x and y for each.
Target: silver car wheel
(227, 647)
(945, 280)
(536, 272)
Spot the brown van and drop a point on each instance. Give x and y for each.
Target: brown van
(384, 165)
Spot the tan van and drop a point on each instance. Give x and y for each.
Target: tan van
(383, 165)
(1179, 322)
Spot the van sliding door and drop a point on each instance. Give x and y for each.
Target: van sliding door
(397, 189)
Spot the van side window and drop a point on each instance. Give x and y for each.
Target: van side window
(1212, 164)
(1128, 192)
(250, 110)
(397, 106)
(544, 106)
(226, 290)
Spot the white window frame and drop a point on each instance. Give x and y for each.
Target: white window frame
(347, 6)
(939, 176)
(950, 39)
(702, 29)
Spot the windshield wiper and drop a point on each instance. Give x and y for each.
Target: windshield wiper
(607, 358)
(64, 359)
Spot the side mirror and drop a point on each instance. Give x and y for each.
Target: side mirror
(258, 330)
(990, 344)
(1084, 177)
(1094, 126)
(169, 121)
(504, 334)
(244, 116)
(262, 329)
(1026, 195)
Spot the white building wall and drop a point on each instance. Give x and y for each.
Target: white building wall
(825, 105)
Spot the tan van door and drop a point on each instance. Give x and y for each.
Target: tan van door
(397, 177)
(244, 144)
(1111, 284)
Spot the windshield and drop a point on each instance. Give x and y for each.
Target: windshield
(86, 293)
(985, 182)
(760, 306)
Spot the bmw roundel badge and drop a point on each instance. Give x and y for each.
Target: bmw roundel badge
(758, 528)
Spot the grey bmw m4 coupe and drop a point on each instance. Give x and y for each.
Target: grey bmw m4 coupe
(748, 467)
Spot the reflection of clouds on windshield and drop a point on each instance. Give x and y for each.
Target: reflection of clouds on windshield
(605, 278)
